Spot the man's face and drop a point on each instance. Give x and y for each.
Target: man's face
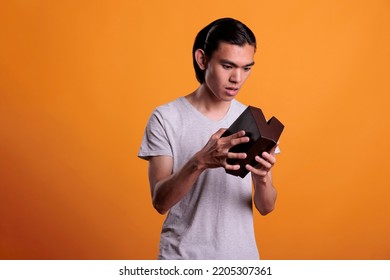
(228, 69)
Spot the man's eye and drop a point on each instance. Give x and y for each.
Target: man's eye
(247, 68)
(226, 66)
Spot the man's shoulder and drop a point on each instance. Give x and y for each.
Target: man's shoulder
(169, 107)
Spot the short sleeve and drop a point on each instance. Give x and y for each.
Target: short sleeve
(155, 141)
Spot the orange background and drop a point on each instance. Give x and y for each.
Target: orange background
(79, 79)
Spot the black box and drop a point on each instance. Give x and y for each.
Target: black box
(263, 137)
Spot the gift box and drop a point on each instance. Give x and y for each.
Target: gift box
(263, 135)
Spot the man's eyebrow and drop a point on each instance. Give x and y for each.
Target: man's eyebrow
(225, 61)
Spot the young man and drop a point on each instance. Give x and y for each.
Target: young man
(209, 211)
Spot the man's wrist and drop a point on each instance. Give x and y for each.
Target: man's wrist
(197, 163)
(262, 181)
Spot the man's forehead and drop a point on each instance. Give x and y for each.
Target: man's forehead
(237, 54)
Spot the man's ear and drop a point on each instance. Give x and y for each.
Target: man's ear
(201, 59)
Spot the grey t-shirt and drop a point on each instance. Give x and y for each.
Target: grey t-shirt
(214, 220)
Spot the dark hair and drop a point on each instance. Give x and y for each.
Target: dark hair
(226, 30)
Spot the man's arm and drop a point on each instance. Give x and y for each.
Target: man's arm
(168, 188)
(265, 194)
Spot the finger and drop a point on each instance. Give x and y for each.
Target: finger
(269, 157)
(263, 164)
(232, 167)
(236, 155)
(238, 134)
(236, 141)
(259, 172)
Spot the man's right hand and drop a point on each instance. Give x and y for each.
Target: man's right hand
(215, 153)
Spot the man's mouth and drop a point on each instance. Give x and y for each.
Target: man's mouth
(231, 90)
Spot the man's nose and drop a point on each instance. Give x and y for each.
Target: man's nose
(235, 76)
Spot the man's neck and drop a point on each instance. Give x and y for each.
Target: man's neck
(208, 104)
